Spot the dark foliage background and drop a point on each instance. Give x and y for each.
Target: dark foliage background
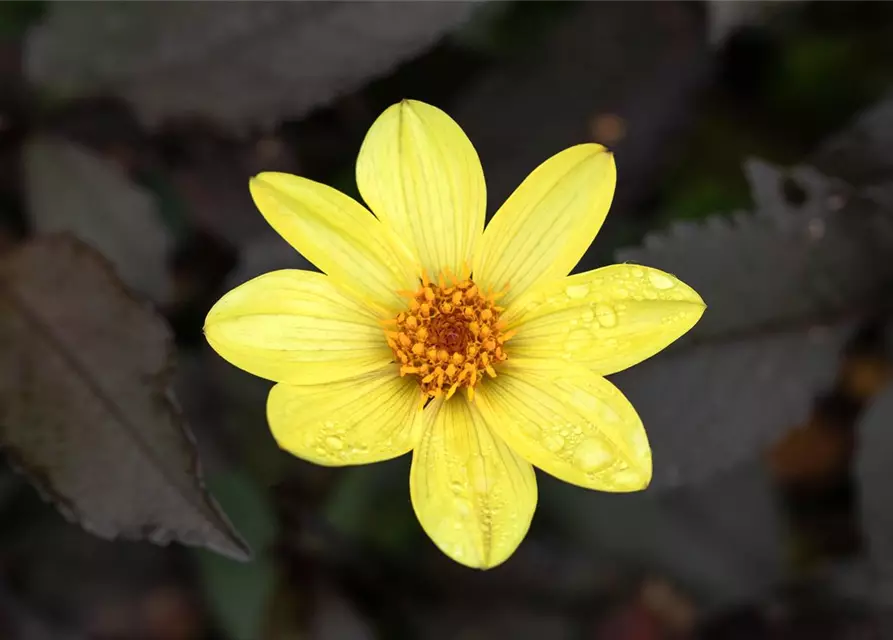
(755, 160)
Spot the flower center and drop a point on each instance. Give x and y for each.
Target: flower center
(449, 337)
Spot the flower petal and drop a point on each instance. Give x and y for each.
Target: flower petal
(296, 326)
(608, 319)
(472, 495)
(366, 419)
(419, 173)
(339, 236)
(546, 225)
(570, 423)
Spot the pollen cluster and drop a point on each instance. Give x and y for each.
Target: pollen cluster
(449, 337)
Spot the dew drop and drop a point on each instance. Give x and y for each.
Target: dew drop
(456, 486)
(587, 314)
(606, 315)
(334, 443)
(585, 401)
(608, 414)
(477, 469)
(640, 442)
(627, 479)
(463, 508)
(638, 272)
(660, 281)
(591, 455)
(577, 339)
(577, 291)
(554, 443)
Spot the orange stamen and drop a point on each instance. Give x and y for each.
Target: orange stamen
(450, 336)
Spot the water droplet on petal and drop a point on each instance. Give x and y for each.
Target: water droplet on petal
(638, 272)
(591, 455)
(577, 339)
(606, 315)
(585, 401)
(587, 314)
(463, 508)
(533, 303)
(660, 281)
(334, 443)
(627, 479)
(554, 443)
(477, 470)
(456, 487)
(577, 291)
(640, 442)
(607, 413)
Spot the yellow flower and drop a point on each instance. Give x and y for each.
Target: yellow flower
(472, 348)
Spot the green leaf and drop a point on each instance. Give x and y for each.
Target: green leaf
(17, 17)
(371, 503)
(239, 593)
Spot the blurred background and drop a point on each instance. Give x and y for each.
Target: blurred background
(754, 143)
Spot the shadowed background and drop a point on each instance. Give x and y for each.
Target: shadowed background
(755, 162)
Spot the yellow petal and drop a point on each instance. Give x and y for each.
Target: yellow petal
(472, 495)
(296, 326)
(339, 236)
(419, 173)
(608, 319)
(570, 423)
(366, 419)
(546, 225)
